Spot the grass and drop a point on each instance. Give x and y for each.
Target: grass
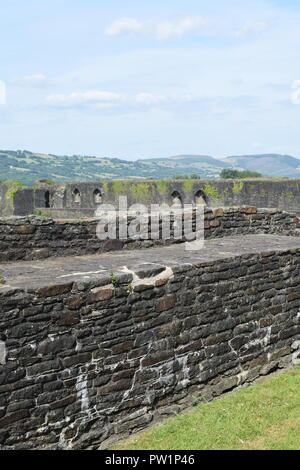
(115, 280)
(265, 416)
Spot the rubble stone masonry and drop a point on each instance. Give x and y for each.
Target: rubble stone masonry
(88, 361)
(28, 238)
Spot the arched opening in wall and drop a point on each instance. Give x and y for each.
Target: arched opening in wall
(200, 198)
(47, 199)
(76, 196)
(97, 196)
(176, 199)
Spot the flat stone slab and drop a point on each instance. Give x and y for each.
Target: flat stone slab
(35, 274)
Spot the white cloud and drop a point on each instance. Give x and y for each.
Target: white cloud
(87, 97)
(149, 98)
(2, 93)
(103, 105)
(162, 31)
(124, 25)
(251, 27)
(169, 29)
(295, 96)
(106, 99)
(35, 79)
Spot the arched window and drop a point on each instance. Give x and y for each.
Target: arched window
(76, 196)
(176, 199)
(97, 196)
(200, 198)
(47, 199)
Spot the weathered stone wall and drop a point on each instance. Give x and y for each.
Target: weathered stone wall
(88, 361)
(36, 238)
(282, 193)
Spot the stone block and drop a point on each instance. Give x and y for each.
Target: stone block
(166, 303)
(51, 291)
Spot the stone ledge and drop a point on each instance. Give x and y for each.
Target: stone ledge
(150, 263)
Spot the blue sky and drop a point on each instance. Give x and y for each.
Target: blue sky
(147, 79)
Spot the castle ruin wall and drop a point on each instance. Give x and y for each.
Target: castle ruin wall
(86, 362)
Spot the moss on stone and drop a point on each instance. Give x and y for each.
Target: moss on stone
(105, 186)
(117, 186)
(210, 190)
(141, 191)
(187, 185)
(162, 186)
(12, 188)
(238, 186)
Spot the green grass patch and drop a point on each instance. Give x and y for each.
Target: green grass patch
(40, 213)
(265, 416)
(115, 280)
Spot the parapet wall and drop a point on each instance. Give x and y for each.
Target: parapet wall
(85, 362)
(81, 199)
(40, 237)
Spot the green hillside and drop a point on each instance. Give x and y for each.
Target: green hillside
(268, 164)
(29, 167)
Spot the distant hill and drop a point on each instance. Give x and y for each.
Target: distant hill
(267, 164)
(29, 167)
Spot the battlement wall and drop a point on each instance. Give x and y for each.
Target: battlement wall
(81, 199)
(28, 238)
(84, 362)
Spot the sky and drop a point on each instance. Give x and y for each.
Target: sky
(137, 79)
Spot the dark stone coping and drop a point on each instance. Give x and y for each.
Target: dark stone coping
(97, 270)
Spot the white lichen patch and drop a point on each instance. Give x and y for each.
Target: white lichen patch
(148, 281)
(3, 353)
(82, 391)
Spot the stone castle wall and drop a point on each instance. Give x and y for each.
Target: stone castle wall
(36, 238)
(85, 362)
(81, 199)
